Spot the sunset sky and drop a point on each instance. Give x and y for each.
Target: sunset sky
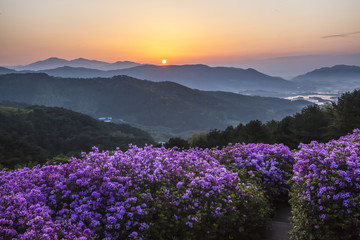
(186, 31)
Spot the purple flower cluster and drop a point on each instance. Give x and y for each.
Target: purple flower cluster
(268, 165)
(143, 193)
(326, 189)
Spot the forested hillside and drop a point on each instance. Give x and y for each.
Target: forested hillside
(35, 134)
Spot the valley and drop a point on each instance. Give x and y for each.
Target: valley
(160, 105)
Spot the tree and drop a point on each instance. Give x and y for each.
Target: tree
(198, 139)
(256, 132)
(347, 112)
(310, 124)
(177, 142)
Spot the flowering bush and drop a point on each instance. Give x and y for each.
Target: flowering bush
(269, 166)
(143, 193)
(326, 190)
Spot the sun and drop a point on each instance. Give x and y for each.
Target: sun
(164, 61)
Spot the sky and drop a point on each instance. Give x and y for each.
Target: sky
(186, 31)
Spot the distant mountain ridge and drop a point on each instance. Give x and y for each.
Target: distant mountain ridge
(55, 62)
(337, 78)
(203, 77)
(4, 70)
(337, 69)
(163, 104)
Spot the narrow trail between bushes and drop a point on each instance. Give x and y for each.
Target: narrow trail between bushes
(280, 224)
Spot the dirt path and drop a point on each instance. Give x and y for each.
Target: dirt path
(280, 224)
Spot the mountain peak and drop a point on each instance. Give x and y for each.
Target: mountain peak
(54, 58)
(51, 59)
(80, 58)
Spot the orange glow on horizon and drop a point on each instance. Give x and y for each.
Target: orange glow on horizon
(193, 31)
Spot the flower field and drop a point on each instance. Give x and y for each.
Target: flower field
(159, 193)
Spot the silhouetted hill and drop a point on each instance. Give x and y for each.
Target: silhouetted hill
(337, 78)
(75, 72)
(4, 70)
(120, 65)
(35, 133)
(163, 104)
(54, 62)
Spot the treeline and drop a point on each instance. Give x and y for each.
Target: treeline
(313, 123)
(35, 134)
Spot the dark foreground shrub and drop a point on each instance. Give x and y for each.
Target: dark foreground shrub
(268, 166)
(325, 195)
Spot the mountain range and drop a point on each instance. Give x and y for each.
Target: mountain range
(165, 105)
(54, 62)
(249, 81)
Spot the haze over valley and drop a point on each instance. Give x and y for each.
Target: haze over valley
(159, 105)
